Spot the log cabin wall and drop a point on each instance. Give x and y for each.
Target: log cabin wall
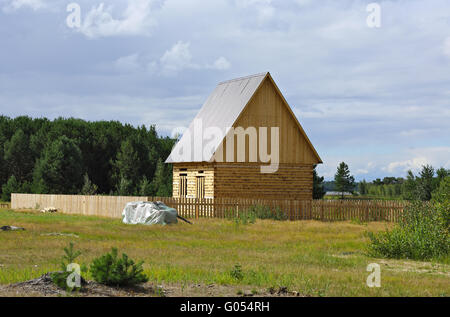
(193, 171)
(246, 181)
(241, 177)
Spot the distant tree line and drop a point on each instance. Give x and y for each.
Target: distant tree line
(413, 187)
(73, 156)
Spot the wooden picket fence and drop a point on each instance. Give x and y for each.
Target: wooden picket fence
(5, 206)
(193, 208)
(323, 210)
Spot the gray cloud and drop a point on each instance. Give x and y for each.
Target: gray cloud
(375, 98)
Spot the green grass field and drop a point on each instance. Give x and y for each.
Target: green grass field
(313, 258)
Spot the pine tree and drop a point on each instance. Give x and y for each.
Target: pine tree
(425, 185)
(410, 186)
(126, 168)
(12, 186)
(343, 180)
(442, 193)
(363, 187)
(442, 173)
(19, 156)
(3, 168)
(89, 188)
(318, 187)
(145, 187)
(125, 187)
(161, 187)
(60, 169)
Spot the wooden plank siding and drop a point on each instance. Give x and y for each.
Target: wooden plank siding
(268, 109)
(104, 206)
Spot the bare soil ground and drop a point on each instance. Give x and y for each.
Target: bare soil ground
(44, 287)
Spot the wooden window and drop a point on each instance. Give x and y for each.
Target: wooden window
(183, 185)
(200, 187)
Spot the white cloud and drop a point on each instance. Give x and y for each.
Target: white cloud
(263, 8)
(302, 3)
(435, 156)
(14, 5)
(366, 166)
(403, 166)
(176, 59)
(221, 64)
(128, 63)
(179, 58)
(362, 95)
(136, 20)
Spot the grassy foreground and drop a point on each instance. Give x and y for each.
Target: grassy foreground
(313, 258)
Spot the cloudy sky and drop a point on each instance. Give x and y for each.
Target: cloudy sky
(377, 98)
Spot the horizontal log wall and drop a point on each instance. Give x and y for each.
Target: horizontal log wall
(323, 210)
(293, 182)
(193, 171)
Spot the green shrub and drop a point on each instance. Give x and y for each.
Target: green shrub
(229, 214)
(265, 212)
(421, 234)
(60, 278)
(261, 212)
(111, 270)
(255, 212)
(237, 272)
(442, 193)
(444, 210)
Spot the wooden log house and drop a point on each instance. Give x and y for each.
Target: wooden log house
(253, 101)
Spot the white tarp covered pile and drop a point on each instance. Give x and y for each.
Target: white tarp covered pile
(149, 213)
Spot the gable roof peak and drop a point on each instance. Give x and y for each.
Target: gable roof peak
(220, 111)
(245, 77)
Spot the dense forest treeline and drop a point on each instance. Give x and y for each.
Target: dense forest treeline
(73, 156)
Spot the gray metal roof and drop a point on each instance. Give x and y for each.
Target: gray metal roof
(221, 110)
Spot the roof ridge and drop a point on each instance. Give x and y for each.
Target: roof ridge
(242, 78)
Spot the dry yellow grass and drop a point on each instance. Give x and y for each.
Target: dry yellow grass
(313, 258)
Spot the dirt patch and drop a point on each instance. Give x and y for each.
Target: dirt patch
(214, 290)
(404, 265)
(415, 267)
(44, 287)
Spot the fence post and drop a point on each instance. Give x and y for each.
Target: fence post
(322, 213)
(291, 208)
(196, 209)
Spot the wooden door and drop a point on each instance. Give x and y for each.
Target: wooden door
(200, 187)
(183, 185)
